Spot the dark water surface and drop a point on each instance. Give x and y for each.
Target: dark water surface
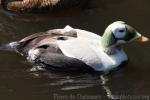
(133, 81)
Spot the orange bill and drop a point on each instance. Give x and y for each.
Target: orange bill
(143, 39)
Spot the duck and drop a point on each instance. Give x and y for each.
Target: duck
(40, 5)
(76, 50)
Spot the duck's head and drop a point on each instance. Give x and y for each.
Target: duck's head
(119, 33)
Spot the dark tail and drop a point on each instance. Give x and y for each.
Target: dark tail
(9, 47)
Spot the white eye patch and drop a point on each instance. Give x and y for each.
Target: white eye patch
(119, 30)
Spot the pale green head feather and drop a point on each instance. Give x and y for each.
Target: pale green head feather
(108, 39)
(118, 33)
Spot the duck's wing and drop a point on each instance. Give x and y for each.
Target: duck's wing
(50, 56)
(74, 53)
(59, 62)
(51, 33)
(88, 51)
(43, 38)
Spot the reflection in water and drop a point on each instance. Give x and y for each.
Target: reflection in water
(69, 82)
(77, 81)
(108, 92)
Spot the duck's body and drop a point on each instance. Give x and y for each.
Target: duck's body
(40, 5)
(87, 48)
(72, 49)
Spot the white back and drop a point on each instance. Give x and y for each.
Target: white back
(87, 48)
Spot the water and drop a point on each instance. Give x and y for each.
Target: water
(16, 83)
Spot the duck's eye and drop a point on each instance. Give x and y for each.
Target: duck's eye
(121, 31)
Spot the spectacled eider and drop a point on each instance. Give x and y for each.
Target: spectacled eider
(71, 49)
